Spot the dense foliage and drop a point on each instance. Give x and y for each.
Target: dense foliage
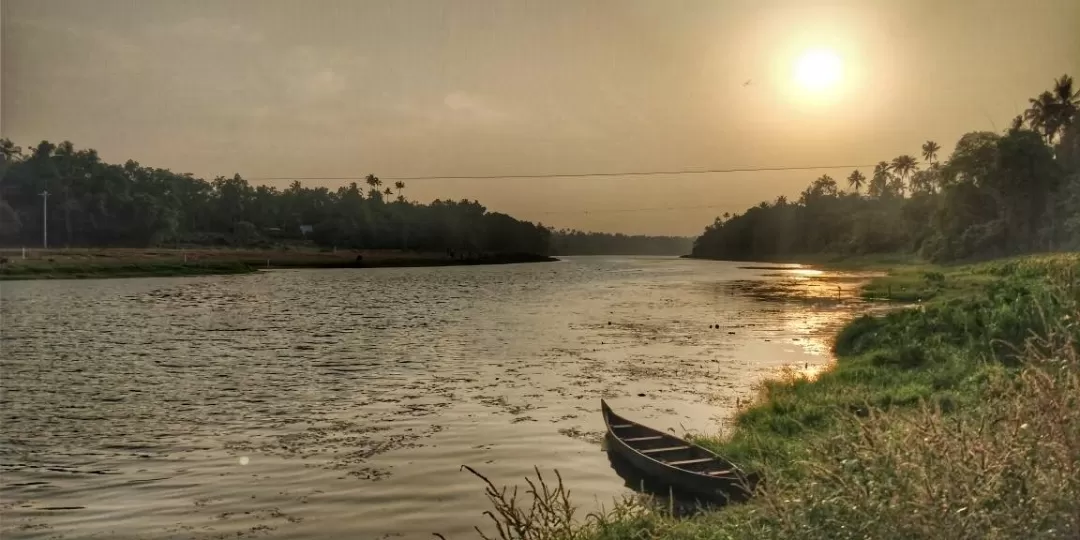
(996, 195)
(92, 203)
(571, 242)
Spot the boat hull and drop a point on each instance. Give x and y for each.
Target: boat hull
(732, 485)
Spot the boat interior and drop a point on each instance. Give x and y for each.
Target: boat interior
(669, 449)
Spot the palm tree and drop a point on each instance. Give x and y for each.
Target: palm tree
(1054, 110)
(903, 166)
(1043, 116)
(879, 182)
(856, 180)
(388, 192)
(1068, 101)
(373, 181)
(399, 185)
(930, 150)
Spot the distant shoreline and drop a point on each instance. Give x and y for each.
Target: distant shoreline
(878, 261)
(100, 263)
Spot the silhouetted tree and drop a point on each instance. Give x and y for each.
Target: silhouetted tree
(995, 195)
(903, 166)
(100, 204)
(1043, 115)
(879, 182)
(856, 180)
(929, 151)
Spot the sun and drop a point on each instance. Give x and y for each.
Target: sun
(818, 70)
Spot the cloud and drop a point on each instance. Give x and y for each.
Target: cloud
(468, 107)
(201, 28)
(323, 83)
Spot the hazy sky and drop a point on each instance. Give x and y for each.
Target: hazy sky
(411, 88)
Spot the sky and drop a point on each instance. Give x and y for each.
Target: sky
(399, 88)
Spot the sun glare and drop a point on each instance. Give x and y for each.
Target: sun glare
(818, 70)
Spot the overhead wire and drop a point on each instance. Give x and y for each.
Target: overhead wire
(580, 175)
(565, 175)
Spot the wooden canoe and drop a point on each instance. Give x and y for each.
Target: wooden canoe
(680, 463)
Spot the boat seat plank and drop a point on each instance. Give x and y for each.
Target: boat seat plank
(665, 449)
(689, 461)
(622, 426)
(643, 439)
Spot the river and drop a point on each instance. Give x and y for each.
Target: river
(310, 404)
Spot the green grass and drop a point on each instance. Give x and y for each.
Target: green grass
(116, 270)
(960, 414)
(967, 330)
(877, 261)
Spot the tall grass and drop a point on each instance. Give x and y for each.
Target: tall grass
(959, 418)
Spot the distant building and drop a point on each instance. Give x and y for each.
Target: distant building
(305, 229)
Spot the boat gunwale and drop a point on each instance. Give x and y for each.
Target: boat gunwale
(607, 412)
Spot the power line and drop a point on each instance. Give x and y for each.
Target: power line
(619, 210)
(566, 175)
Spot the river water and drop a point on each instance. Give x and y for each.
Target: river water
(341, 403)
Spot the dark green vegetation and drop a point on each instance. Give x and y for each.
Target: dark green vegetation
(92, 203)
(973, 323)
(996, 195)
(97, 204)
(570, 242)
(961, 414)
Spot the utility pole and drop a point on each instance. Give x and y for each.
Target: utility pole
(45, 219)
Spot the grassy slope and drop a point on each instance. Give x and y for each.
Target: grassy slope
(941, 351)
(918, 427)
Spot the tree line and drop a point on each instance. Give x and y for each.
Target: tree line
(93, 203)
(997, 194)
(574, 242)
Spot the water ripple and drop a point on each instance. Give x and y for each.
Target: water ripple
(315, 404)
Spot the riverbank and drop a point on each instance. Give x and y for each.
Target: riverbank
(959, 415)
(832, 261)
(121, 262)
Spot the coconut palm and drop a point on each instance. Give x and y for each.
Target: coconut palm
(1042, 115)
(856, 180)
(373, 181)
(930, 150)
(399, 185)
(903, 166)
(388, 192)
(879, 182)
(1054, 110)
(1068, 101)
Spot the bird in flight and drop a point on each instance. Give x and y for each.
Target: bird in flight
(747, 83)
